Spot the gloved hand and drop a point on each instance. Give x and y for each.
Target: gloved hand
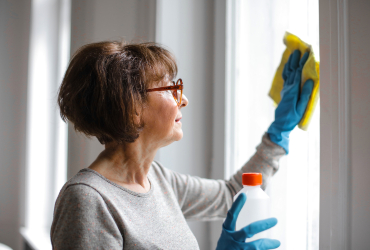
(293, 101)
(235, 240)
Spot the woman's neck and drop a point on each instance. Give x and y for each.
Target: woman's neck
(126, 165)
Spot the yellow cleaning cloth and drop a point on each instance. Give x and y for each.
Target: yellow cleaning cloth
(311, 70)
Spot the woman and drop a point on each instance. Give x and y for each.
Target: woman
(124, 95)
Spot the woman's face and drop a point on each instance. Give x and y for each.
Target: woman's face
(162, 117)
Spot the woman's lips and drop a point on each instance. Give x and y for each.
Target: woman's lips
(178, 119)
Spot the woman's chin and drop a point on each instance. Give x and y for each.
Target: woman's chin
(179, 135)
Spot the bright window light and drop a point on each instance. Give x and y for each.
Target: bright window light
(46, 132)
(294, 190)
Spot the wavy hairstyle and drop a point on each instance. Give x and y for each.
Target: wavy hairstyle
(105, 85)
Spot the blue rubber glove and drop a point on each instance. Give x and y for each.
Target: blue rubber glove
(235, 240)
(293, 101)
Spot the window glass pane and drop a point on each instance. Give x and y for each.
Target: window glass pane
(294, 190)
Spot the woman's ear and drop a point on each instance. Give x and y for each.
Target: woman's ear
(138, 117)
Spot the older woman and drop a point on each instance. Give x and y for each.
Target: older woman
(124, 95)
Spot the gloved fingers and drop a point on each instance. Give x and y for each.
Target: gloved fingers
(303, 60)
(305, 97)
(296, 84)
(290, 67)
(294, 66)
(234, 211)
(298, 73)
(265, 244)
(254, 228)
(286, 71)
(290, 92)
(294, 63)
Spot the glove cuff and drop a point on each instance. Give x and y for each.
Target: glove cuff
(279, 138)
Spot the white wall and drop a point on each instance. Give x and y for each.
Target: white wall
(14, 41)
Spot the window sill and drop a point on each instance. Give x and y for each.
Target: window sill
(38, 239)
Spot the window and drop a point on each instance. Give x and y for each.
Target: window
(257, 30)
(46, 132)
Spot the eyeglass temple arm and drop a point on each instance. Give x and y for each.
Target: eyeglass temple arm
(166, 88)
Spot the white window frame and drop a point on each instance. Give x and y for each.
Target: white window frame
(335, 231)
(46, 164)
(334, 126)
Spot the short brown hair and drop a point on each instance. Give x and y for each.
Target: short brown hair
(105, 84)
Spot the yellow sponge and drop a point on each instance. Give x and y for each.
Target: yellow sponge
(311, 70)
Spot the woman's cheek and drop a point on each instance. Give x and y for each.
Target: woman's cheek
(171, 105)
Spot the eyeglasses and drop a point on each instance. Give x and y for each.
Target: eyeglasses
(176, 90)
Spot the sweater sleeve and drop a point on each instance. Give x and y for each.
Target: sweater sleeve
(264, 161)
(205, 199)
(82, 220)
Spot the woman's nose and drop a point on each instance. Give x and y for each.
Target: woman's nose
(184, 101)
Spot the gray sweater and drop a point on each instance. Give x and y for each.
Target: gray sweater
(92, 212)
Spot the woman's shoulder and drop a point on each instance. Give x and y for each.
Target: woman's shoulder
(172, 177)
(160, 172)
(85, 182)
(86, 178)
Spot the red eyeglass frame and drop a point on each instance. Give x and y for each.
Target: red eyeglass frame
(176, 86)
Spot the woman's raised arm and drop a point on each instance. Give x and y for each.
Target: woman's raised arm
(207, 199)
